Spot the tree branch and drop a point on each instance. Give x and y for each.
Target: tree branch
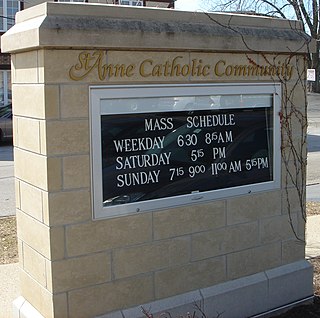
(278, 10)
(306, 16)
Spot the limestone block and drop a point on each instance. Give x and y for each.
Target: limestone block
(46, 241)
(290, 283)
(35, 265)
(80, 272)
(242, 297)
(31, 168)
(38, 170)
(293, 174)
(176, 305)
(145, 258)
(180, 279)
(48, 305)
(67, 137)
(115, 314)
(76, 172)
(17, 193)
(15, 130)
(294, 125)
(22, 308)
(51, 99)
(253, 260)
(58, 64)
(20, 252)
(43, 137)
(28, 100)
(292, 200)
(67, 207)
(74, 101)
(36, 101)
(225, 240)
(99, 299)
(107, 234)
(292, 251)
(54, 168)
(26, 67)
(250, 208)
(294, 111)
(188, 219)
(294, 93)
(34, 233)
(162, 28)
(294, 147)
(278, 228)
(301, 227)
(28, 137)
(31, 200)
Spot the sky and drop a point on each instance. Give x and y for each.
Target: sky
(188, 5)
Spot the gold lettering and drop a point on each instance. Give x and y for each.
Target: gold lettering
(86, 66)
(119, 70)
(107, 70)
(240, 70)
(175, 67)
(289, 72)
(156, 71)
(206, 70)
(90, 62)
(228, 70)
(142, 68)
(217, 70)
(129, 70)
(195, 69)
(166, 68)
(252, 70)
(272, 70)
(185, 70)
(94, 63)
(262, 70)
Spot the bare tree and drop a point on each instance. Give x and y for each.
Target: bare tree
(307, 11)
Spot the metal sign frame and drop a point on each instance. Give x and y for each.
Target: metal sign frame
(99, 97)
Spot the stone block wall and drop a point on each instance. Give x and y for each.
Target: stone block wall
(74, 266)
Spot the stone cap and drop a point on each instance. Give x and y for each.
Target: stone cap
(96, 26)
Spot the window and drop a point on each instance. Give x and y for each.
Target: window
(5, 88)
(138, 3)
(71, 0)
(155, 147)
(8, 9)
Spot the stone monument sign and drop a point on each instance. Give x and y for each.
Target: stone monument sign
(159, 161)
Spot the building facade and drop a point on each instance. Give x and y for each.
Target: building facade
(8, 9)
(138, 3)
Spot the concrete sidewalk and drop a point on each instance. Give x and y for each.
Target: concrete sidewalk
(313, 192)
(9, 274)
(9, 288)
(313, 236)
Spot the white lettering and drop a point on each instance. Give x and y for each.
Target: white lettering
(158, 124)
(138, 144)
(143, 161)
(210, 120)
(137, 178)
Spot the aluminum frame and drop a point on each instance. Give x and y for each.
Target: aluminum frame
(100, 93)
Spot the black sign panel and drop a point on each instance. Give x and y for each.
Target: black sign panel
(148, 156)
